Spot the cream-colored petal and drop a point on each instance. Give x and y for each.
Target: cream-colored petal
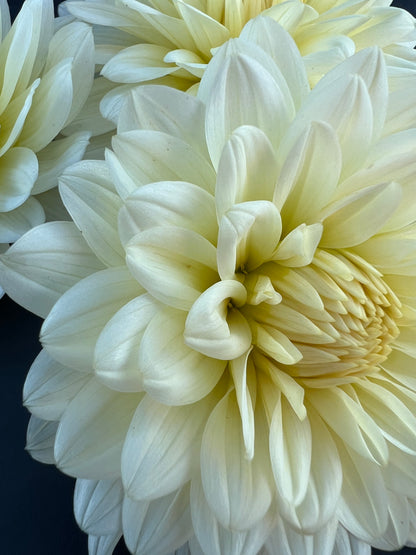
(355, 219)
(243, 372)
(362, 508)
(319, 505)
(369, 64)
(206, 31)
(347, 544)
(393, 413)
(156, 527)
(72, 328)
(172, 372)
(344, 104)
(363, 435)
(169, 203)
(97, 506)
(247, 237)
(298, 248)
(286, 541)
(45, 263)
(215, 538)
(138, 63)
(103, 545)
(92, 430)
(247, 169)
(249, 90)
(309, 175)
(40, 439)
(56, 157)
(273, 39)
(161, 450)
(150, 156)
(237, 490)
(50, 387)
(13, 119)
(75, 41)
(116, 359)
(50, 108)
(88, 195)
(275, 344)
(397, 532)
(89, 118)
(15, 223)
(393, 252)
(173, 264)
(18, 173)
(215, 328)
(168, 110)
(290, 444)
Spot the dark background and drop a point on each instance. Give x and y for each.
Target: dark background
(36, 506)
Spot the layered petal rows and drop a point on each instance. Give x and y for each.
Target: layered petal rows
(229, 335)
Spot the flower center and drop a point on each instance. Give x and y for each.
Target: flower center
(335, 322)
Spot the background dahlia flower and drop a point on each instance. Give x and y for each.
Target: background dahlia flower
(229, 342)
(171, 42)
(46, 74)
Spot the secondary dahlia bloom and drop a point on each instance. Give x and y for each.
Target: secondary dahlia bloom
(46, 77)
(229, 344)
(171, 42)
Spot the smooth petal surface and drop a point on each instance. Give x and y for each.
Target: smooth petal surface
(176, 433)
(172, 372)
(215, 329)
(248, 235)
(215, 539)
(40, 439)
(290, 452)
(168, 110)
(18, 173)
(50, 107)
(244, 86)
(309, 175)
(88, 195)
(116, 360)
(169, 203)
(174, 264)
(97, 506)
(358, 217)
(15, 223)
(92, 430)
(72, 328)
(237, 490)
(150, 156)
(34, 272)
(247, 169)
(363, 504)
(50, 387)
(57, 156)
(156, 527)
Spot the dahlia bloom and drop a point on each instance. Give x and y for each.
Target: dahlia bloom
(46, 78)
(171, 42)
(229, 340)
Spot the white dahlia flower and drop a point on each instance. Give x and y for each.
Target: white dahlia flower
(229, 345)
(45, 79)
(171, 42)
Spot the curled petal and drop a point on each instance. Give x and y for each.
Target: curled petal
(248, 235)
(215, 329)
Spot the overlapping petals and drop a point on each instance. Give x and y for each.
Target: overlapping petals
(46, 77)
(246, 288)
(171, 43)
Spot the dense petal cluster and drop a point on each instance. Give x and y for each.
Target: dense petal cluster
(46, 75)
(171, 42)
(229, 349)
